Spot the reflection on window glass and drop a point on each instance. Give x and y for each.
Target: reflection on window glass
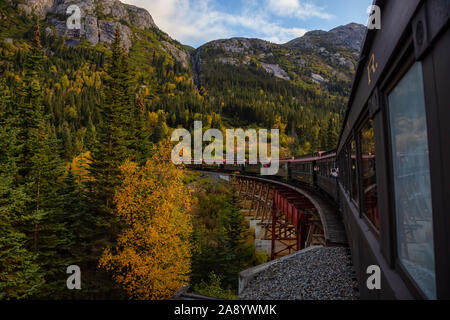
(354, 169)
(412, 180)
(369, 179)
(345, 173)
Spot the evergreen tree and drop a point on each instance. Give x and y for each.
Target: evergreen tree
(161, 130)
(225, 251)
(114, 139)
(331, 135)
(323, 138)
(141, 145)
(20, 276)
(236, 236)
(39, 167)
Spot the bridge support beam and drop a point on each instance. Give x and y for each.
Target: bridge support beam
(290, 220)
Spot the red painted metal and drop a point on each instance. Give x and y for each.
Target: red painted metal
(289, 218)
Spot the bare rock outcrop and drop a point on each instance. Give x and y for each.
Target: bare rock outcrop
(99, 19)
(179, 55)
(107, 31)
(38, 7)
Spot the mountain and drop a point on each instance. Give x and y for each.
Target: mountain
(99, 20)
(349, 37)
(75, 105)
(317, 57)
(303, 84)
(300, 87)
(75, 66)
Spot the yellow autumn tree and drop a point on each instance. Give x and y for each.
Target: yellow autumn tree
(80, 167)
(151, 259)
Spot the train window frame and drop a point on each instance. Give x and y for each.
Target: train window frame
(344, 164)
(400, 68)
(355, 198)
(365, 119)
(347, 171)
(347, 168)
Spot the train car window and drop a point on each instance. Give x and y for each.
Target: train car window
(411, 170)
(324, 169)
(330, 167)
(345, 169)
(342, 167)
(369, 178)
(354, 171)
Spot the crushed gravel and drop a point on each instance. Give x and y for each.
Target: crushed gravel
(317, 274)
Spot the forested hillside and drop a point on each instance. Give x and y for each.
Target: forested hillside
(300, 87)
(74, 75)
(84, 119)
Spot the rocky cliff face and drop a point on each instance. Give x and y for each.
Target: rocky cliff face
(99, 18)
(38, 7)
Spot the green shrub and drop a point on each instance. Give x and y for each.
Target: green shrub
(261, 258)
(214, 289)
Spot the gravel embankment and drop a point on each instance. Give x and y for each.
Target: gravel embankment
(319, 274)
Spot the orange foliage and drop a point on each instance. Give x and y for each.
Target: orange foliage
(152, 256)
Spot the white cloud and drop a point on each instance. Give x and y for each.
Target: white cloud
(297, 8)
(199, 21)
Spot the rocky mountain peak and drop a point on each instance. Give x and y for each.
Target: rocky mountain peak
(318, 57)
(99, 18)
(350, 36)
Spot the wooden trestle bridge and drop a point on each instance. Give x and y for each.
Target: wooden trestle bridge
(291, 217)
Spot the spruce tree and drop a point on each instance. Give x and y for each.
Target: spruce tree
(39, 168)
(161, 130)
(236, 236)
(141, 146)
(20, 275)
(112, 134)
(114, 142)
(331, 135)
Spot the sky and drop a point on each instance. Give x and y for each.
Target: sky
(195, 22)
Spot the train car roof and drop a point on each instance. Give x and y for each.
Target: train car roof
(309, 158)
(361, 63)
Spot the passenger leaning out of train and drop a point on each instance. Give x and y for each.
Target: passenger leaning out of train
(334, 173)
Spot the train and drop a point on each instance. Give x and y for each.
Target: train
(390, 173)
(393, 153)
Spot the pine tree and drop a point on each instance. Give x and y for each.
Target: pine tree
(77, 223)
(323, 138)
(142, 147)
(331, 135)
(114, 142)
(161, 130)
(20, 275)
(113, 136)
(226, 250)
(39, 167)
(236, 236)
